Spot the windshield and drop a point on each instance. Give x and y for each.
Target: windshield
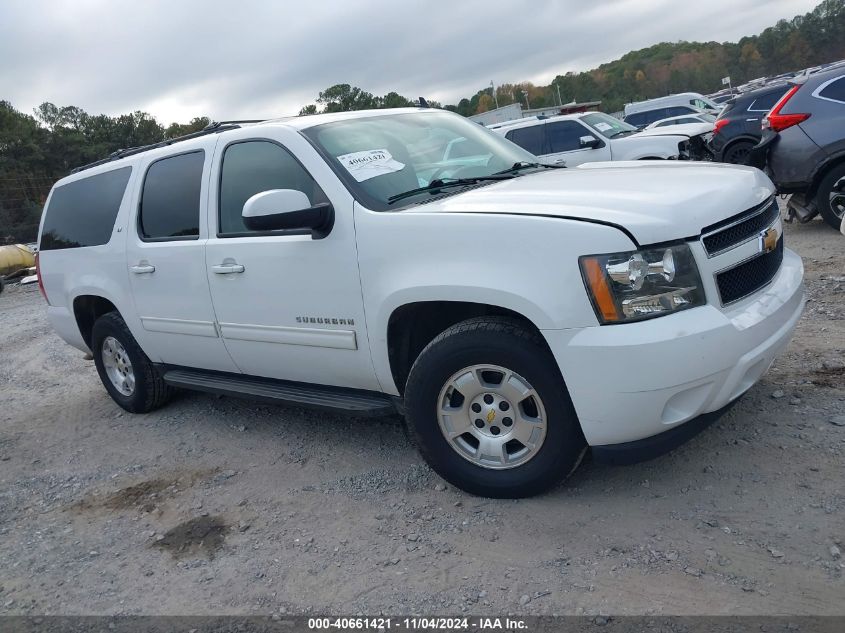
(707, 117)
(380, 157)
(607, 125)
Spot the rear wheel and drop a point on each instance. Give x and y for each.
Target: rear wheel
(127, 374)
(489, 411)
(830, 197)
(737, 153)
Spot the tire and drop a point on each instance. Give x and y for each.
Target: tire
(500, 343)
(2, 285)
(832, 184)
(148, 390)
(737, 153)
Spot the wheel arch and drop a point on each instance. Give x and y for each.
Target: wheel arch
(734, 141)
(413, 325)
(823, 170)
(87, 309)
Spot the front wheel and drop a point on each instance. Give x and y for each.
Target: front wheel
(830, 198)
(489, 410)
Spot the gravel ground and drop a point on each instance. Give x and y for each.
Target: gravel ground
(219, 506)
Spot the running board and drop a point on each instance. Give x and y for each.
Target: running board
(356, 402)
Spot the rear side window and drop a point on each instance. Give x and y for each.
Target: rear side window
(650, 116)
(835, 90)
(766, 102)
(170, 201)
(677, 111)
(531, 139)
(82, 213)
(638, 119)
(251, 167)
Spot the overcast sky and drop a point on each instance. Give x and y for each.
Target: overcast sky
(178, 59)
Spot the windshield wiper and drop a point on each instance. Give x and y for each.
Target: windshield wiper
(526, 165)
(615, 134)
(440, 183)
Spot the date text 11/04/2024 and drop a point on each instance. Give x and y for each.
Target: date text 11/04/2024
(417, 624)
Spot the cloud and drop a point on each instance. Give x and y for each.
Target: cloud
(254, 59)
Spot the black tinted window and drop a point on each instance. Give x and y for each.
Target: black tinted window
(641, 119)
(82, 213)
(638, 119)
(529, 138)
(255, 166)
(675, 111)
(564, 136)
(170, 202)
(766, 102)
(834, 90)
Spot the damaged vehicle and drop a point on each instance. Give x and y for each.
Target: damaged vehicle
(574, 139)
(803, 146)
(515, 313)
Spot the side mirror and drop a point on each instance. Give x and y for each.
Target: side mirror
(287, 209)
(590, 142)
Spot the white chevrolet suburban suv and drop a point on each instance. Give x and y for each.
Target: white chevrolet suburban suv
(514, 312)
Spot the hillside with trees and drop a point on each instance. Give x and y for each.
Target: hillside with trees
(806, 40)
(39, 148)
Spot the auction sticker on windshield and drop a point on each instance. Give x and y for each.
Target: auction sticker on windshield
(369, 164)
(603, 127)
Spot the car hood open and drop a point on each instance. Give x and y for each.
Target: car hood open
(655, 201)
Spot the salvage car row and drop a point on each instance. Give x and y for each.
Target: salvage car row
(794, 130)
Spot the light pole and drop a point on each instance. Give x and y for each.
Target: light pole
(527, 105)
(495, 98)
(559, 100)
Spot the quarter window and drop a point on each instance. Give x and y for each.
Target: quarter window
(255, 166)
(835, 90)
(82, 213)
(766, 102)
(170, 201)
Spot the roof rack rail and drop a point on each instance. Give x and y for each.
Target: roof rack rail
(212, 128)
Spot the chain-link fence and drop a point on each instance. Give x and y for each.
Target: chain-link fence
(21, 201)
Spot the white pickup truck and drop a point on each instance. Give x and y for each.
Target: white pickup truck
(515, 313)
(575, 139)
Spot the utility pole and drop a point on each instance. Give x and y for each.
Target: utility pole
(495, 98)
(527, 105)
(559, 100)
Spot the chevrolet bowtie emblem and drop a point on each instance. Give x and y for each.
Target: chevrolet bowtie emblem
(768, 240)
(491, 415)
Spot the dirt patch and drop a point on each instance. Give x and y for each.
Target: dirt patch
(145, 495)
(204, 535)
(829, 377)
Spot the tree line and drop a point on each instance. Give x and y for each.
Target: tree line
(806, 40)
(39, 148)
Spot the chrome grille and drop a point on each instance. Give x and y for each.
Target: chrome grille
(718, 238)
(749, 276)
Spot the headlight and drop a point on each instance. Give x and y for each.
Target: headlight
(643, 284)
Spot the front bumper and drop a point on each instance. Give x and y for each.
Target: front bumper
(634, 381)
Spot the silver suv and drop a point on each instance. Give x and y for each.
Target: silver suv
(804, 135)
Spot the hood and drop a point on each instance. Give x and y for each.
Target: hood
(684, 129)
(655, 201)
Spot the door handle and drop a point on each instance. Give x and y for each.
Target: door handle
(227, 268)
(142, 268)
